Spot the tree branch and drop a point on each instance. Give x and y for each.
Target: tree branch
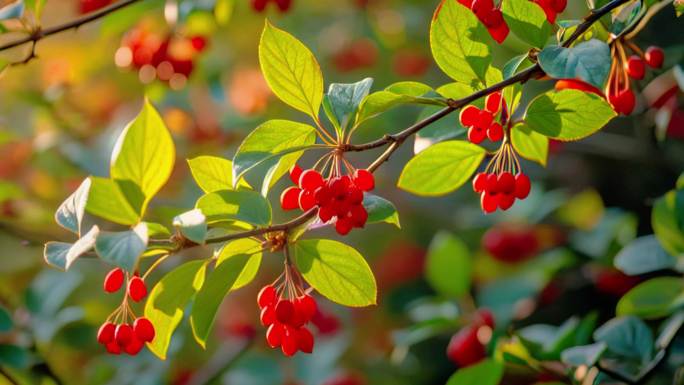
(40, 34)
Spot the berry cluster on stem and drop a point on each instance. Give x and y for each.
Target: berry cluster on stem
(487, 122)
(502, 181)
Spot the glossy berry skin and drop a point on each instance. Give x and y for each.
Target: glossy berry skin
(143, 329)
(654, 57)
(364, 180)
(137, 289)
(574, 84)
(295, 174)
(465, 347)
(106, 333)
(114, 280)
(481, 123)
(635, 67)
(499, 191)
(267, 296)
(552, 8)
(87, 6)
(289, 199)
(123, 334)
(623, 101)
(490, 16)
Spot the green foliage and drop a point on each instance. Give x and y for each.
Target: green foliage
(168, 299)
(6, 323)
(487, 372)
(291, 70)
(193, 225)
(336, 271)
(527, 21)
(70, 213)
(584, 355)
(530, 144)
(588, 61)
(568, 115)
(122, 248)
(644, 255)
(448, 266)
(107, 200)
(342, 102)
(655, 298)
(667, 228)
(212, 173)
(628, 337)
(392, 96)
(229, 205)
(380, 210)
(441, 168)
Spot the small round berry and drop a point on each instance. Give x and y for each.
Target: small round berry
(123, 334)
(495, 132)
(284, 311)
(522, 186)
(326, 213)
(469, 116)
(492, 183)
(114, 280)
(308, 306)
(137, 289)
(358, 215)
(465, 348)
(307, 200)
(343, 226)
(559, 5)
(476, 135)
(274, 335)
(199, 43)
(134, 346)
(289, 343)
(489, 202)
(364, 180)
(259, 5)
(354, 196)
(310, 180)
(480, 182)
(143, 329)
(106, 333)
(295, 174)
(289, 199)
(339, 185)
(322, 195)
(267, 296)
(342, 208)
(484, 120)
(500, 32)
(493, 102)
(305, 340)
(636, 68)
(283, 5)
(506, 201)
(113, 348)
(506, 182)
(267, 316)
(654, 57)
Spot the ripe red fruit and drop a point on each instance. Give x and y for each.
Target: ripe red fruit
(295, 174)
(137, 289)
(574, 84)
(522, 186)
(623, 102)
(289, 199)
(134, 346)
(259, 5)
(480, 182)
(307, 200)
(106, 333)
(506, 201)
(267, 296)
(469, 116)
(358, 215)
(364, 180)
(636, 68)
(654, 57)
(283, 5)
(113, 348)
(144, 330)
(267, 316)
(289, 344)
(465, 348)
(493, 102)
(123, 334)
(274, 335)
(284, 311)
(495, 132)
(343, 226)
(559, 5)
(305, 340)
(510, 245)
(308, 306)
(489, 202)
(506, 182)
(484, 317)
(114, 280)
(476, 135)
(310, 180)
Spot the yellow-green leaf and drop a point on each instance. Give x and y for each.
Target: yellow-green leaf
(530, 144)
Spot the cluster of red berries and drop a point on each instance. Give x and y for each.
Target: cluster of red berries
(511, 245)
(618, 90)
(87, 6)
(500, 190)
(170, 59)
(260, 5)
(490, 15)
(468, 346)
(482, 123)
(286, 320)
(552, 8)
(120, 336)
(339, 197)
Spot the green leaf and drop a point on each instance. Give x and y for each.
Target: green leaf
(6, 323)
(62, 255)
(236, 265)
(12, 11)
(627, 16)
(664, 221)
(448, 266)
(168, 299)
(655, 298)
(487, 372)
(70, 213)
(336, 271)
(229, 205)
(527, 21)
(107, 200)
(193, 225)
(588, 61)
(459, 44)
(568, 115)
(441, 168)
(392, 96)
(586, 355)
(124, 248)
(511, 67)
(157, 229)
(643, 255)
(212, 173)
(269, 141)
(628, 336)
(144, 154)
(344, 100)
(36, 6)
(380, 210)
(531, 145)
(291, 70)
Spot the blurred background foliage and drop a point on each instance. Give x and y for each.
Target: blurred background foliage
(61, 112)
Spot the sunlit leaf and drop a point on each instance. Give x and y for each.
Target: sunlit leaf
(124, 248)
(229, 205)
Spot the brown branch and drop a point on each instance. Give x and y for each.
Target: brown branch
(40, 34)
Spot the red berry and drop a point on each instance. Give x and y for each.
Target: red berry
(310, 180)
(305, 340)
(307, 200)
(493, 102)
(113, 348)
(654, 57)
(623, 102)
(480, 182)
(289, 343)
(134, 347)
(636, 68)
(342, 208)
(259, 5)
(137, 289)
(469, 116)
(492, 183)
(354, 196)
(484, 120)
(489, 202)
(144, 329)
(114, 280)
(343, 226)
(559, 5)
(326, 213)
(322, 195)
(106, 333)
(364, 180)
(308, 306)
(484, 317)
(283, 5)
(359, 215)
(295, 174)
(123, 334)
(482, 8)
(267, 316)
(476, 135)
(495, 132)
(506, 182)
(522, 186)
(506, 201)
(274, 335)
(289, 199)
(284, 311)
(338, 186)
(267, 296)
(573, 84)
(465, 348)
(198, 43)
(499, 33)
